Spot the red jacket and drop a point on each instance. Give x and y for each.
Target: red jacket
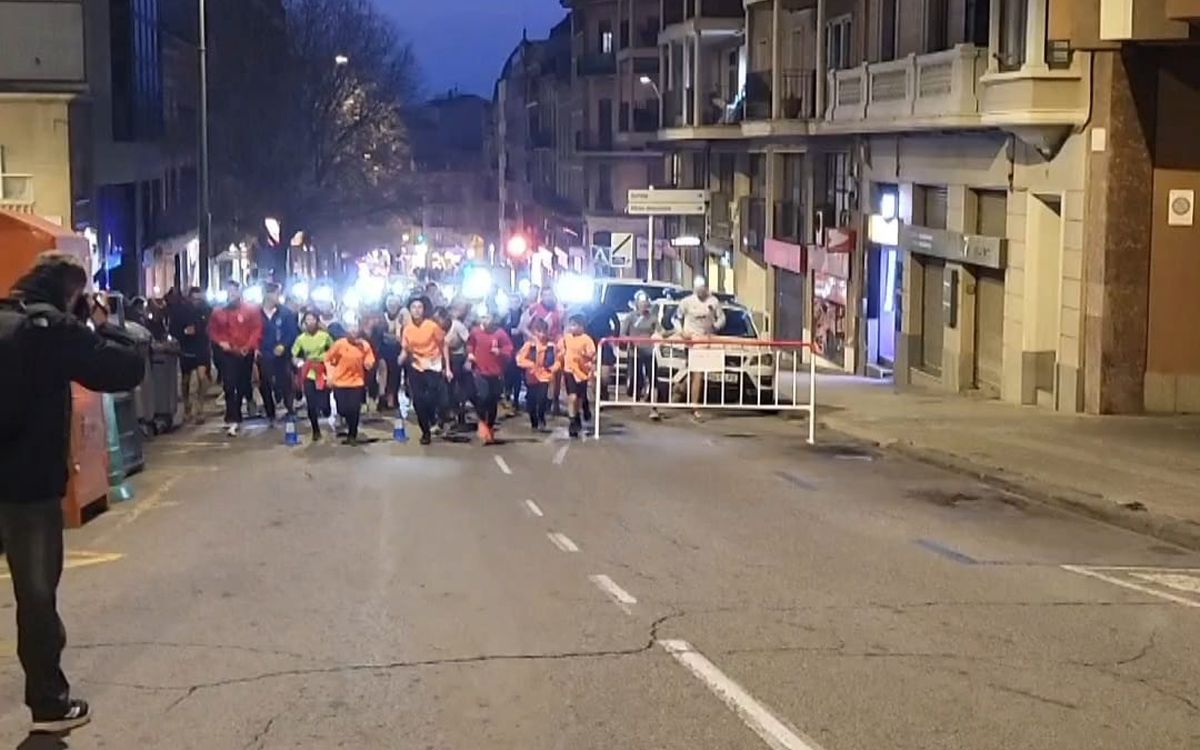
(240, 327)
(490, 351)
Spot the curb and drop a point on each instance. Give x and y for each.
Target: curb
(1160, 526)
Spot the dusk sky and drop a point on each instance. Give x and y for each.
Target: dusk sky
(464, 43)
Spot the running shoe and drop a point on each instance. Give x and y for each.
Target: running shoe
(76, 715)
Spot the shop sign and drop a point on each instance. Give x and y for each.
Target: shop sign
(840, 239)
(784, 255)
(828, 287)
(973, 249)
(822, 261)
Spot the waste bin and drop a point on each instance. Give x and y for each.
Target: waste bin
(128, 433)
(164, 371)
(143, 395)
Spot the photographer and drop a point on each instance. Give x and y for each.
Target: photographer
(46, 346)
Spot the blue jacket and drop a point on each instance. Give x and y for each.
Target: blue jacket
(281, 329)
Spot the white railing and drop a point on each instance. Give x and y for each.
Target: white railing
(725, 373)
(935, 85)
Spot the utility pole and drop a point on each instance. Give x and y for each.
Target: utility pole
(205, 213)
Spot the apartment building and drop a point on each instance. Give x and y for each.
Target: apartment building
(615, 118)
(540, 189)
(43, 74)
(920, 187)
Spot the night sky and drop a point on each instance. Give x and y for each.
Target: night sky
(464, 43)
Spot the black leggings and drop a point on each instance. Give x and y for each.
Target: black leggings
(316, 401)
(537, 401)
(349, 405)
(488, 389)
(427, 390)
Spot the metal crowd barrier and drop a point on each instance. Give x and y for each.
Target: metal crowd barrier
(733, 374)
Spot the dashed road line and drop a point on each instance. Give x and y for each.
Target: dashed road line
(760, 719)
(503, 465)
(562, 541)
(620, 596)
(533, 508)
(561, 455)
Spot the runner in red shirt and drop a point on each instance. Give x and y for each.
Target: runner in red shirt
(489, 350)
(236, 330)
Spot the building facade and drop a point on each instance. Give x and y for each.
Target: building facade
(925, 188)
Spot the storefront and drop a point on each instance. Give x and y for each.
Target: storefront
(884, 284)
(830, 267)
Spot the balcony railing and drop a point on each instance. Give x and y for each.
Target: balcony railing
(597, 64)
(789, 221)
(798, 94)
(930, 86)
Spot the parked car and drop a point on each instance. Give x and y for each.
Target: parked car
(748, 372)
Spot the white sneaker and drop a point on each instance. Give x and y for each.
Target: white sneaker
(232, 430)
(654, 415)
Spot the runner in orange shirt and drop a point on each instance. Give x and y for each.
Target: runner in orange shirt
(423, 350)
(348, 361)
(578, 366)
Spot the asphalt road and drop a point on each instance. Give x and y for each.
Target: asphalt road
(670, 587)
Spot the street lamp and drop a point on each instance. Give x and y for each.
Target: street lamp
(340, 60)
(204, 217)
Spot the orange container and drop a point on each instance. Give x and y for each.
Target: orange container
(22, 238)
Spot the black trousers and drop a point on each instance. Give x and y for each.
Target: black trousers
(237, 381)
(488, 390)
(276, 384)
(537, 401)
(349, 405)
(639, 372)
(514, 378)
(32, 534)
(461, 388)
(427, 393)
(316, 403)
(391, 386)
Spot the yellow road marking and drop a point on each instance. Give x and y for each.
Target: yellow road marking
(75, 559)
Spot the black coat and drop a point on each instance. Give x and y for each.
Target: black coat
(195, 348)
(52, 349)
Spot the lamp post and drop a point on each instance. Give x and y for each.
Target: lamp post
(204, 228)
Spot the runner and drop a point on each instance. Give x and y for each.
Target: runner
(236, 329)
(578, 366)
(699, 316)
(489, 350)
(281, 326)
(639, 363)
(349, 360)
(394, 317)
(423, 350)
(309, 350)
(457, 334)
(537, 359)
(547, 309)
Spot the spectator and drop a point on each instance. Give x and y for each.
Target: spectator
(189, 326)
(45, 349)
(281, 326)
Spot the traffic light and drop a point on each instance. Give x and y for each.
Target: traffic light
(518, 246)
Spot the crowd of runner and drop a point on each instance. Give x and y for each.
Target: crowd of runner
(442, 360)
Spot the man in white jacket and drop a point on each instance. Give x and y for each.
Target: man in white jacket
(699, 316)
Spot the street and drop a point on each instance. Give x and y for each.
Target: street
(669, 586)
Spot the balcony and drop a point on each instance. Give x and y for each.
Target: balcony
(798, 94)
(1036, 104)
(923, 91)
(596, 64)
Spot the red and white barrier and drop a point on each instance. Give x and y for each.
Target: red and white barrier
(724, 373)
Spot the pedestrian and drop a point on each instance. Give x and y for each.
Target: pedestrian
(423, 351)
(642, 324)
(489, 351)
(348, 362)
(548, 310)
(537, 359)
(457, 334)
(46, 345)
(578, 366)
(392, 328)
(602, 323)
(281, 326)
(699, 316)
(189, 326)
(236, 329)
(514, 377)
(310, 349)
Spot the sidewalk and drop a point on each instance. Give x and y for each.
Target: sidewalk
(1142, 473)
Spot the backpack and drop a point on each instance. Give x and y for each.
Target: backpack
(17, 320)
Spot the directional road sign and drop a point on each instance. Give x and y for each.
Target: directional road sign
(667, 202)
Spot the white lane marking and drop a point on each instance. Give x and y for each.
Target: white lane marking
(1131, 585)
(503, 465)
(620, 596)
(534, 509)
(562, 541)
(561, 455)
(772, 730)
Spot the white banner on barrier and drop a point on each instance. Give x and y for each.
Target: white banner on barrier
(706, 360)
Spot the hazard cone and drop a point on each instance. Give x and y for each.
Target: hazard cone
(290, 436)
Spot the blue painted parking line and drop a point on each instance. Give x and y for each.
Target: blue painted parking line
(947, 552)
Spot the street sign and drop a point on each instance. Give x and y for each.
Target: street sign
(622, 250)
(667, 202)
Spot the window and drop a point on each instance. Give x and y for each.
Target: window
(604, 200)
(1013, 20)
(837, 43)
(937, 31)
(838, 187)
(930, 206)
(887, 30)
(606, 37)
